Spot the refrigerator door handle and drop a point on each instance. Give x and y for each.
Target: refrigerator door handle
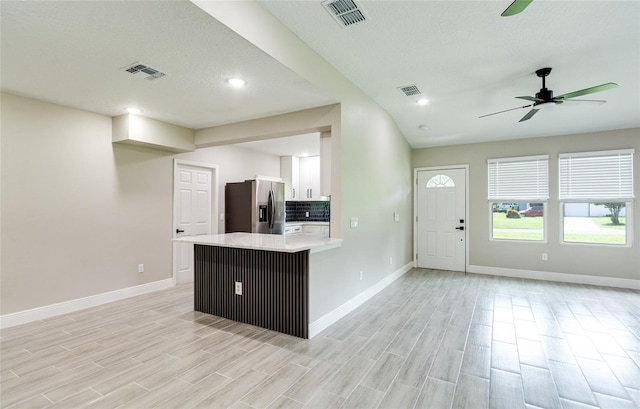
(270, 209)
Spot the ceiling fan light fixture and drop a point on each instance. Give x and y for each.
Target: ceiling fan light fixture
(545, 106)
(545, 101)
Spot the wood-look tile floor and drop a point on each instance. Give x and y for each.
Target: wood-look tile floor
(432, 339)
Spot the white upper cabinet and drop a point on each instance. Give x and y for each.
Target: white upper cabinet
(305, 177)
(289, 172)
(310, 178)
(301, 177)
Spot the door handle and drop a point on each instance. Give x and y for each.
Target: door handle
(270, 210)
(460, 228)
(178, 231)
(293, 196)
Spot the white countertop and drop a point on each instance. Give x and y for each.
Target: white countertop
(270, 242)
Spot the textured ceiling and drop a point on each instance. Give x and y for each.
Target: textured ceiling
(465, 58)
(469, 61)
(71, 53)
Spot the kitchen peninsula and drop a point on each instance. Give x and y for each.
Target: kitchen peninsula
(258, 279)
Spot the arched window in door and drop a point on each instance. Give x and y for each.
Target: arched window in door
(440, 181)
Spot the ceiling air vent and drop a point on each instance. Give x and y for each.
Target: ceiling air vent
(346, 12)
(141, 70)
(409, 90)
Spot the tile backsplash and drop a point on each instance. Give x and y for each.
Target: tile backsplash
(318, 211)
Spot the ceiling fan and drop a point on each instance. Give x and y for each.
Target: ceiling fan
(516, 7)
(545, 97)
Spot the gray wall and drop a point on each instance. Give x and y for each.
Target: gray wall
(80, 213)
(376, 182)
(606, 261)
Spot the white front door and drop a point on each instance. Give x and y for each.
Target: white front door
(191, 214)
(441, 223)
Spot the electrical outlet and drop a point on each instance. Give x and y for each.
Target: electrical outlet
(545, 257)
(221, 217)
(140, 268)
(306, 214)
(361, 276)
(354, 222)
(238, 288)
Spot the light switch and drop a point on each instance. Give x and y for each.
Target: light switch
(354, 222)
(396, 217)
(221, 217)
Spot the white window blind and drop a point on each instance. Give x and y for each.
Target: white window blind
(601, 176)
(519, 179)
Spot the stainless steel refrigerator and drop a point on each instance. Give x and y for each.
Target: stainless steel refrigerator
(254, 206)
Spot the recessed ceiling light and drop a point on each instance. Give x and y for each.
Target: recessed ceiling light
(423, 127)
(236, 82)
(133, 110)
(423, 101)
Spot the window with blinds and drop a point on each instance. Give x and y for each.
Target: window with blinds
(518, 190)
(595, 191)
(519, 179)
(603, 176)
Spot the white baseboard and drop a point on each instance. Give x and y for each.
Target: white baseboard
(561, 277)
(47, 311)
(333, 316)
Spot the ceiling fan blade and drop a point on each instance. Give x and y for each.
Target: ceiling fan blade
(533, 99)
(506, 110)
(597, 88)
(516, 7)
(529, 115)
(583, 102)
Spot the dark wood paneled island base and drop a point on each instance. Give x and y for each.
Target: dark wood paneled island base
(275, 293)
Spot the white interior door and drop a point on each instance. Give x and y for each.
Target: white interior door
(191, 214)
(441, 213)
